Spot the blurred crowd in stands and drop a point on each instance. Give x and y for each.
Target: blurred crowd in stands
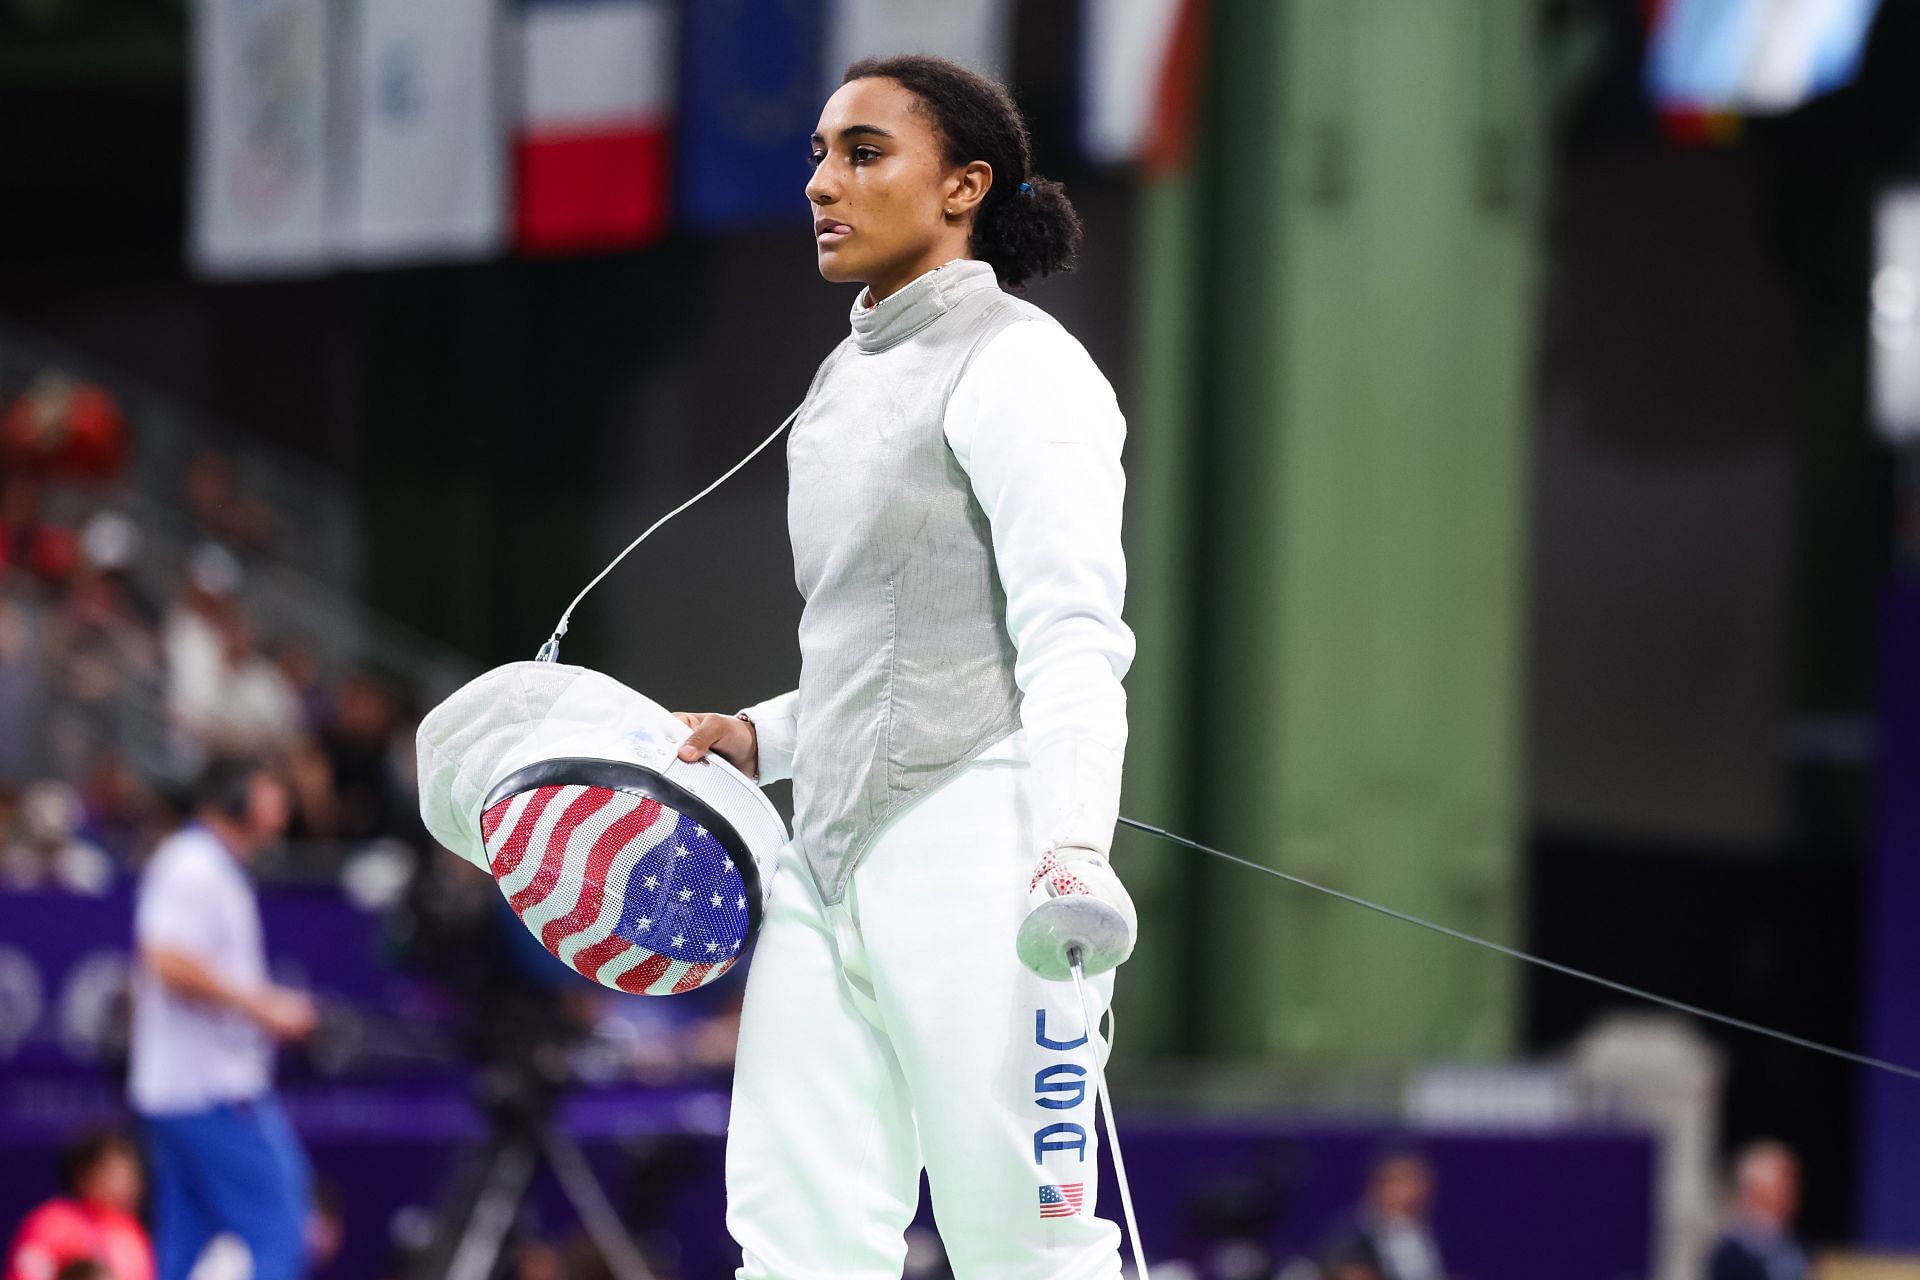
(140, 643)
(131, 656)
(125, 663)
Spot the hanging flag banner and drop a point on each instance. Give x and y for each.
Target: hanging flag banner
(1894, 354)
(749, 99)
(260, 163)
(592, 156)
(1140, 70)
(425, 145)
(1754, 56)
(975, 33)
(1124, 50)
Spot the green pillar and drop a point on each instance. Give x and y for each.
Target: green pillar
(1337, 435)
(1161, 459)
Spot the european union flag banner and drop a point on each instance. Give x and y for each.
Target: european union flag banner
(750, 74)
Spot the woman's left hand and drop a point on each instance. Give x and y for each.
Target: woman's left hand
(1076, 904)
(732, 736)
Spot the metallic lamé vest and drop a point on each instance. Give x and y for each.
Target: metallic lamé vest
(906, 667)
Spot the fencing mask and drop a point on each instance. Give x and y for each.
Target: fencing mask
(639, 870)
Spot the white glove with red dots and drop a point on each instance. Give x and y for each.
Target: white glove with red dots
(1076, 902)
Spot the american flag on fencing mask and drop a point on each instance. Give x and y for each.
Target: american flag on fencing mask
(625, 890)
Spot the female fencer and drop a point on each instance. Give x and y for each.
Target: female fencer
(955, 741)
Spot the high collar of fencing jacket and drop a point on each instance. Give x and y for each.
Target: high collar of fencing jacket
(917, 304)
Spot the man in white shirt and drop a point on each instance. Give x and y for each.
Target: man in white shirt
(205, 1020)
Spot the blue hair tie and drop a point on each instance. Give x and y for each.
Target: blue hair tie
(1025, 190)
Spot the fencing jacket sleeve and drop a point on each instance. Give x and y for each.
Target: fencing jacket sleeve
(1038, 430)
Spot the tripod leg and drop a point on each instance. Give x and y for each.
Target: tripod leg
(476, 1249)
(596, 1212)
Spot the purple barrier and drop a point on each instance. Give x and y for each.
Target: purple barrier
(1890, 1107)
(1576, 1206)
(64, 962)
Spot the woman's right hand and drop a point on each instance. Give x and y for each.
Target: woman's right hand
(731, 736)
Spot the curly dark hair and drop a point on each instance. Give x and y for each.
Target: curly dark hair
(1022, 234)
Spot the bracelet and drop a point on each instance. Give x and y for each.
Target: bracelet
(741, 715)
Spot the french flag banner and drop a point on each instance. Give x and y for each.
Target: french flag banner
(596, 116)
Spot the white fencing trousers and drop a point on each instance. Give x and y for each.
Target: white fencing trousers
(898, 1028)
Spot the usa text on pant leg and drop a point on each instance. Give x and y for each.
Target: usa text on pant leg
(996, 1058)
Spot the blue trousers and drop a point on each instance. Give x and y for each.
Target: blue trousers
(239, 1168)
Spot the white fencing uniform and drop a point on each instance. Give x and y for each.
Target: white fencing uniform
(957, 464)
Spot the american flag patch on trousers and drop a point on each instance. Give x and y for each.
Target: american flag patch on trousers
(1062, 1201)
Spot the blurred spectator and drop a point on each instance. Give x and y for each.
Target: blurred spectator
(84, 1269)
(93, 1220)
(326, 1225)
(538, 1260)
(66, 428)
(108, 673)
(222, 693)
(46, 852)
(107, 595)
(220, 510)
(30, 544)
(1758, 1242)
(20, 686)
(1388, 1237)
(121, 809)
(301, 667)
(358, 745)
(106, 626)
(191, 633)
(316, 807)
(205, 1018)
